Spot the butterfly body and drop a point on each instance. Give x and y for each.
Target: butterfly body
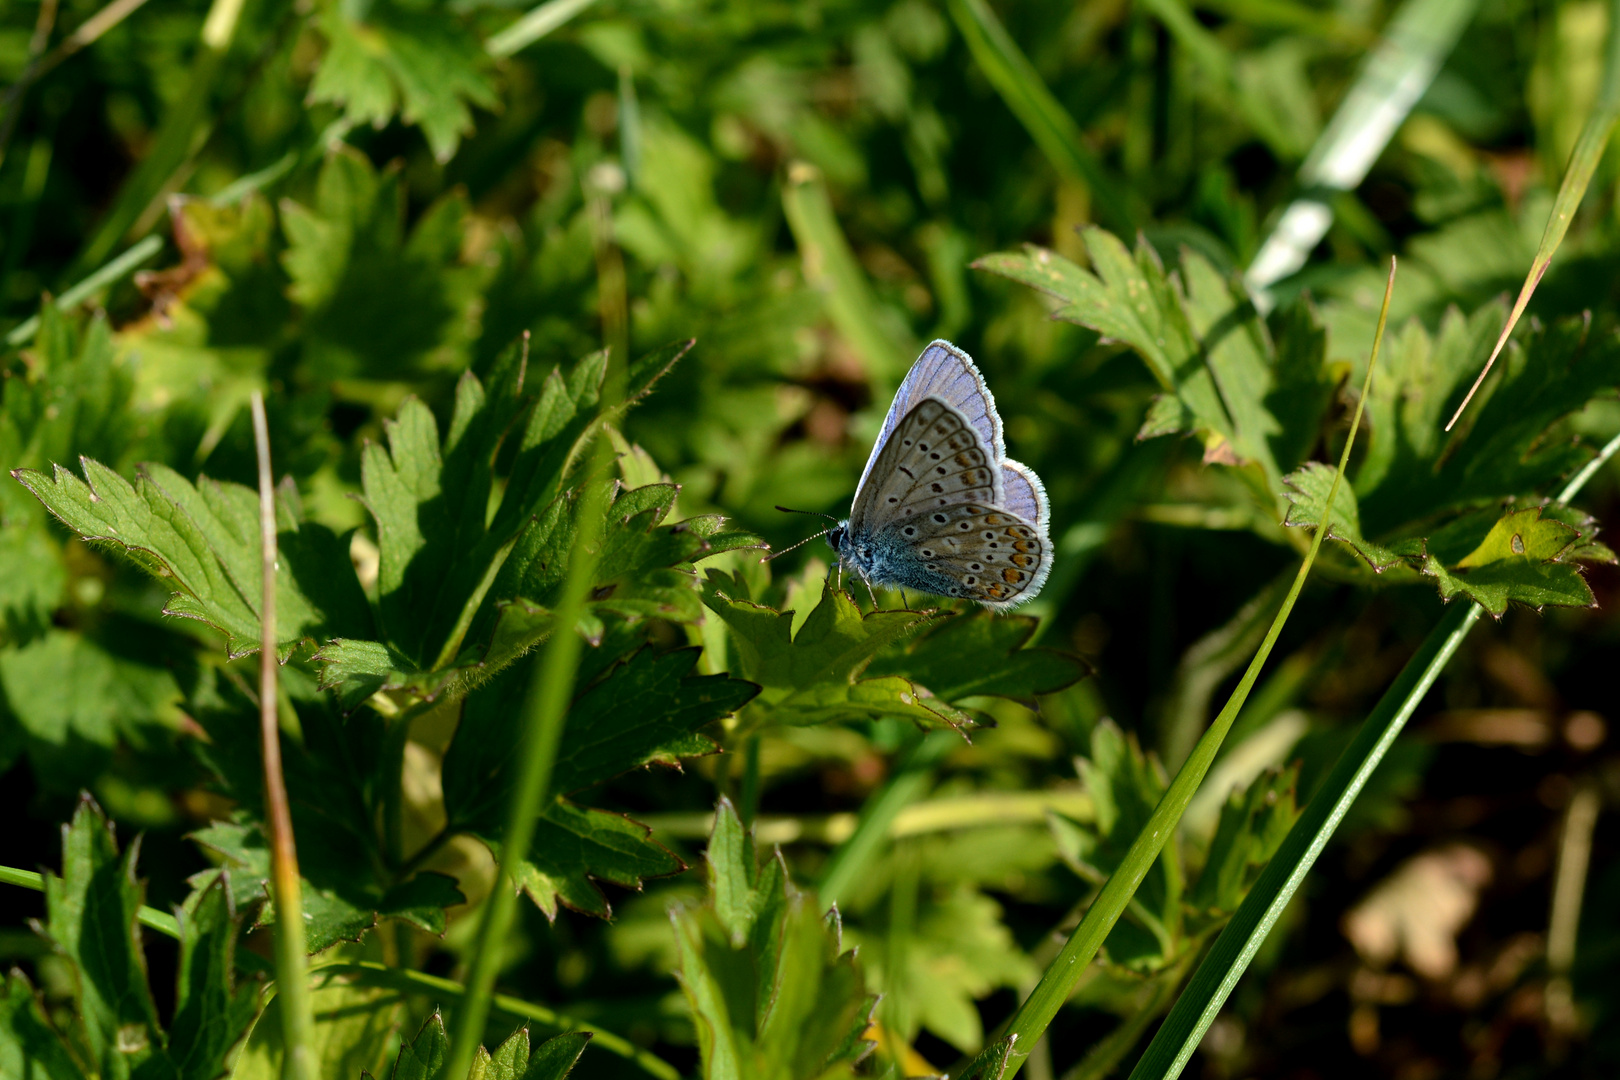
(940, 509)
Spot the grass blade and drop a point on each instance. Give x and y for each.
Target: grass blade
(1215, 978)
(1046, 120)
(1402, 65)
(1032, 1018)
(831, 268)
(129, 260)
(292, 964)
(545, 711)
(1583, 161)
(539, 22)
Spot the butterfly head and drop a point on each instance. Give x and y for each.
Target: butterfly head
(836, 534)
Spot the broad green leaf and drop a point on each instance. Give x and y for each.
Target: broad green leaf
(574, 847)
(424, 1057)
(781, 1000)
(462, 595)
(1307, 492)
(648, 708)
(813, 676)
(1003, 666)
(1252, 825)
(642, 572)
(211, 1014)
(29, 1046)
(355, 1025)
(1251, 394)
(206, 538)
(933, 972)
(90, 917)
(74, 700)
(334, 777)
(553, 1059)
(417, 60)
(1412, 470)
(377, 303)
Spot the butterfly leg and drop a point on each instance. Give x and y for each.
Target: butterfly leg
(870, 593)
(903, 601)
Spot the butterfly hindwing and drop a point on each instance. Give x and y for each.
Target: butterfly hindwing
(933, 458)
(993, 555)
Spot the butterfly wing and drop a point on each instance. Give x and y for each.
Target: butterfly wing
(933, 458)
(947, 374)
(989, 553)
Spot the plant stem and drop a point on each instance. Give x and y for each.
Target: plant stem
(545, 710)
(297, 1015)
(1033, 1017)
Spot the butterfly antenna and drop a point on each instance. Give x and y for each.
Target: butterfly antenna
(812, 513)
(800, 544)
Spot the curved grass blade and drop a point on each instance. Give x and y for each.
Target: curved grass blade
(1046, 120)
(1059, 980)
(1400, 68)
(1583, 161)
(1215, 978)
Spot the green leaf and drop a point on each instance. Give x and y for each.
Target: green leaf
(424, 1057)
(781, 998)
(1250, 398)
(377, 304)
(29, 1047)
(1307, 492)
(812, 677)
(1413, 471)
(334, 776)
(648, 708)
(642, 572)
(90, 917)
(574, 847)
(210, 1017)
(553, 1059)
(206, 538)
(1003, 666)
(932, 973)
(992, 1062)
(355, 1024)
(1125, 786)
(462, 595)
(1252, 826)
(74, 700)
(416, 59)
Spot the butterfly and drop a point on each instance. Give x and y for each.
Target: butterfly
(940, 508)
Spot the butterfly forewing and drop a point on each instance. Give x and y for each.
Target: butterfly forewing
(934, 458)
(945, 373)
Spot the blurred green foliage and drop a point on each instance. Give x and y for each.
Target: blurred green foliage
(416, 226)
